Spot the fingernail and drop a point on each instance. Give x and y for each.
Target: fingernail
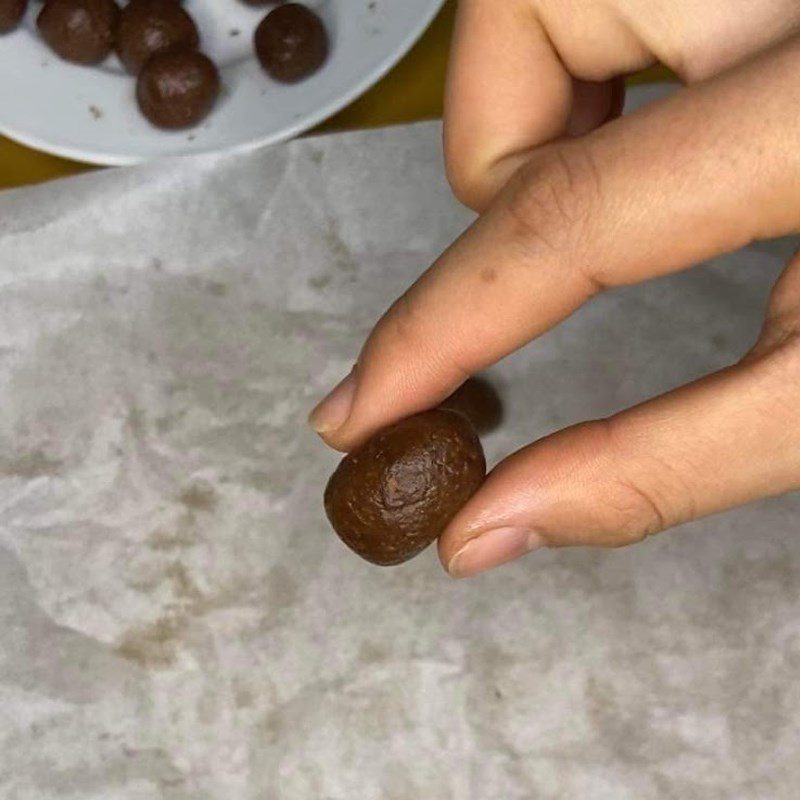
(334, 410)
(491, 549)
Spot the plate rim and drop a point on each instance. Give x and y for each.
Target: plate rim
(302, 125)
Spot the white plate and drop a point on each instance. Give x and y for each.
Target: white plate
(90, 114)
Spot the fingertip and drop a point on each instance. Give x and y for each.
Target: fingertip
(332, 412)
(492, 549)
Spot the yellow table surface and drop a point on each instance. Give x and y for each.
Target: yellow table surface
(411, 91)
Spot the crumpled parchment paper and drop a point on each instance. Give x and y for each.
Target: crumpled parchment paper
(177, 622)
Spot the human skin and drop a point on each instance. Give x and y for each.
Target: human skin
(532, 143)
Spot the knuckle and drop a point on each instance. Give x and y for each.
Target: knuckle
(636, 515)
(550, 201)
(465, 179)
(778, 346)
(468, 168)
(774, 364)
(782, 329)
(644, 495)
(779, 340)
(788, 358)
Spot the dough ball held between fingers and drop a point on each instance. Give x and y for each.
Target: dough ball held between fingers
(389, 499)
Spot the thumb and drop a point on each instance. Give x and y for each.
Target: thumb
(713, 445)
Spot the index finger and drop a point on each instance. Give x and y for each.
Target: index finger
(704, 172)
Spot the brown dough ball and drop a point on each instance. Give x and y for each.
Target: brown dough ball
(147, 27)
(479, 402)
(393, 496)
(291, 43)
(79, 30)
(11, 12)
(177, 89)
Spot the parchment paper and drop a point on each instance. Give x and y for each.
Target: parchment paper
(177, 621)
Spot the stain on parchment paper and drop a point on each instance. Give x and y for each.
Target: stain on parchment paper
(119, 770)
(49, 659)
(282, 591)
(199, 497)
(182, 535)
(341, 254)
(153, 645)
(34, 464)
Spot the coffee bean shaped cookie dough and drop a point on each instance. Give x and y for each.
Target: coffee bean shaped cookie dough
(177, 89)
(291, 43)
(148, 27)
(79, 30)
(393, 496)
(11, 12)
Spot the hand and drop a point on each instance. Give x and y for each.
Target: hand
(572, 207)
